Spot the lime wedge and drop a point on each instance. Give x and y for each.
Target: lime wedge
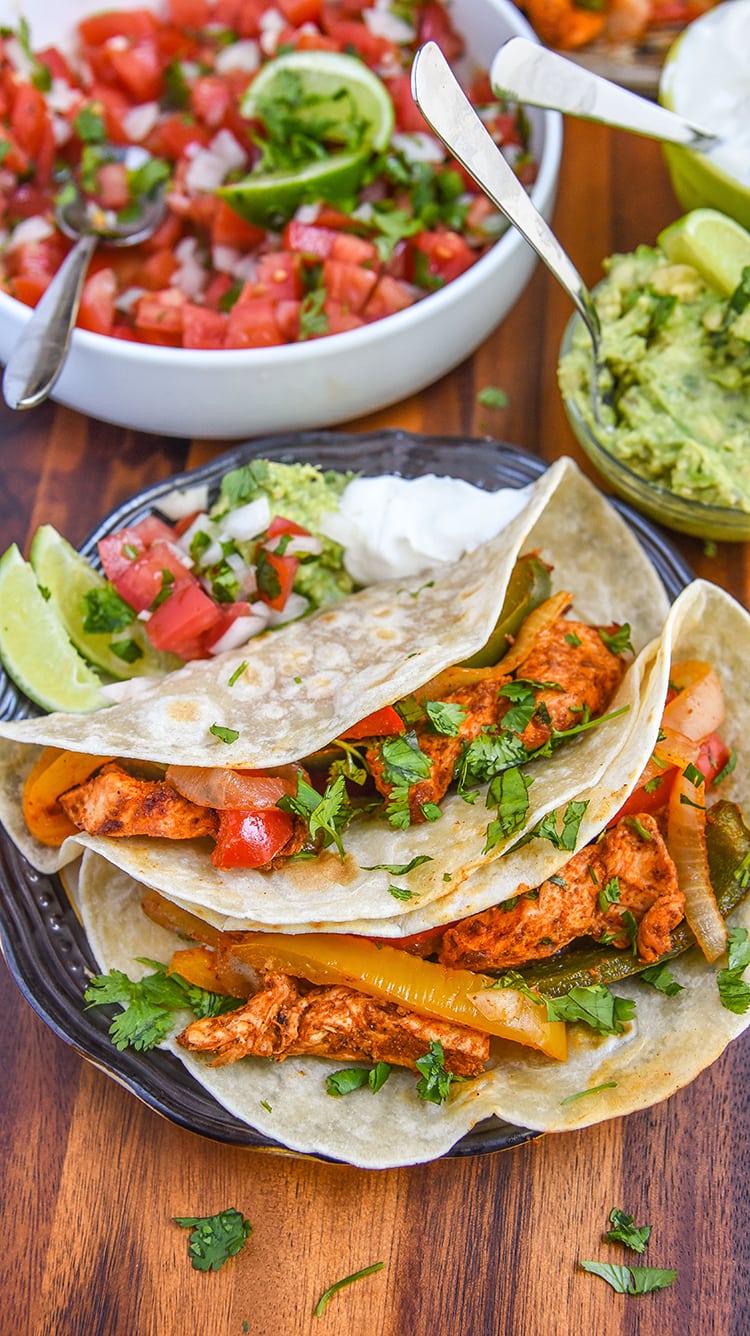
(67, 576)
(34, 646)
(330, 95)
(717, 246)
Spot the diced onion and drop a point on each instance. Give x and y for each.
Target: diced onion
(241, 630)
(296, 606)
(184, 501)
(246, 521)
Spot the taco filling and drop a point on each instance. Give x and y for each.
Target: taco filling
(465, 728)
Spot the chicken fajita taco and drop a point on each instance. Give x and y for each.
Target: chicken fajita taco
(597, 989)
(389, 732)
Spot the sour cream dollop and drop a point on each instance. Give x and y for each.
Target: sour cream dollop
(708, 82)
(392, 527)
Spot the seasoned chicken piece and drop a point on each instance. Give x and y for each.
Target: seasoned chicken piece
(634, 867)
(113, 802)
(574, 657)
(571, 655)
(287, 1018)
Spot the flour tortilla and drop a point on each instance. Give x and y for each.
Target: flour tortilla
(594, 555)
(669, 1042)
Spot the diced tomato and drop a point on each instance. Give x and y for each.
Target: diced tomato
(114, 106)
(161, 312)
(172, 136)
(380, 724)
(209, 99)
(112, 190)
(388, 297)
(228, 615)
(351, 249)
(288, 319)
(353, 34)
(28, 118)
(97, 309)
(282, 274)
(56, 64)
(27, 290)
(439, 257)
(156, 271)
(276, 575)
(37, 259)
(308, 238)
(251, 839)
(408, 116)
(202, 328)
(184, 616)
(118, 551)
(252, 324)
(98, 29)
(280, 525)
(340, 319)
(349, 284)
(158, 569)
(298, 12)
(139, 70)
(435, 26)
(228, 229)
(190, 13)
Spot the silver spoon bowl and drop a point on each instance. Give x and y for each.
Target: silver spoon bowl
(450, 114)
(38, 358)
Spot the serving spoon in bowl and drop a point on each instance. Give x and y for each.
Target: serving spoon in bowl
(448, 112)
(524, 71)
(37, 360)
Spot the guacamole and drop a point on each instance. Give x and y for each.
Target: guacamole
(675, 382)
(302, 493)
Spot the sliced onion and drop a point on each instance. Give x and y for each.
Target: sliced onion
(698, 708)
(686, 840)
(224, 789)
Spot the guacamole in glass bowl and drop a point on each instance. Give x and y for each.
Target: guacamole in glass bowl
(675, 389)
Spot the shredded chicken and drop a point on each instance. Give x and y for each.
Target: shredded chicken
(571, 655)
(637, 868)
(287, 1018)
(114, 802)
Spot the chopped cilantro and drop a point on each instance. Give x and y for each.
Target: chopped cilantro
(693, 775)
(618, 641)
(167, 586)
(630, 924)
(727, 769)
(512, 979)
(227, 735)
(594, 1005)
(734, 991)
(327, 815)
(446, 717)
(127, 650)
(347, 1079)
(662, 979)
(492, 397)
(150, 1004)
(592, 1090)
(215, 1238)
(624, 1230)
(436, 1081)
(546, 829)
(400, 893)
(638, 827)
(104, 611)
(398, 869)
(573, 639)
(509, 793)
(609, 894)
(237, 674)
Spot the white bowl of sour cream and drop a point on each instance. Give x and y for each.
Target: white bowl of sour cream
(706, 77)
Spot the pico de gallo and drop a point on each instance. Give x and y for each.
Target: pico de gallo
(174, 85)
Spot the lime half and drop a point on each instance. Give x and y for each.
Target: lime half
(69, 578)
(34, 645)
(336, 99)
(715, 245)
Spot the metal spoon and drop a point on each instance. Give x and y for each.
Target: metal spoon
(448, 111)
(38, 358)
(526, 72)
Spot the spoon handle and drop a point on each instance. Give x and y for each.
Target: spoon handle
(524, 71)
(37, 359)
(448, 111)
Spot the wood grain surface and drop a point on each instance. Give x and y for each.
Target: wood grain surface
(483, 1246)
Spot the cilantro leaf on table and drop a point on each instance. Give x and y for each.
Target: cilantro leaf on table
(340, 1284)
(624, 1230)
(214, 1238)
(631, 1280)
(150, 1004)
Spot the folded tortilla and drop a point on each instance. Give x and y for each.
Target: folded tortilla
(311, 680)
(668, 1043)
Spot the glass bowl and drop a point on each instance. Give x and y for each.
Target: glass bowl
(716, 523)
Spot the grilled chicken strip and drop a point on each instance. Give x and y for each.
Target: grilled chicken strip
(573, 656)
(636, 867)
(287, 1018)
(114, 802)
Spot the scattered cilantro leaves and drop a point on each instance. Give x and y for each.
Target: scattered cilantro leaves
(734, 991)
(150, 1004)
(227, 735)
(446, 717)
(592, 1090)
(624, 1230)
(492, 397)
(661, 978)
(436, 1080)
(347, 1280)
(347, 1079)
(104, 611)
(594, 1005)
(618, 641)
(215, 1238)
(631, 1279)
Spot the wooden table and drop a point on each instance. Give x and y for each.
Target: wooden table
(472, 1247)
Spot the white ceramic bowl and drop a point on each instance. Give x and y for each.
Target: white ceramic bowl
(246, 392)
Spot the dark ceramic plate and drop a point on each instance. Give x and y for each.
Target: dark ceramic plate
(42, 940)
